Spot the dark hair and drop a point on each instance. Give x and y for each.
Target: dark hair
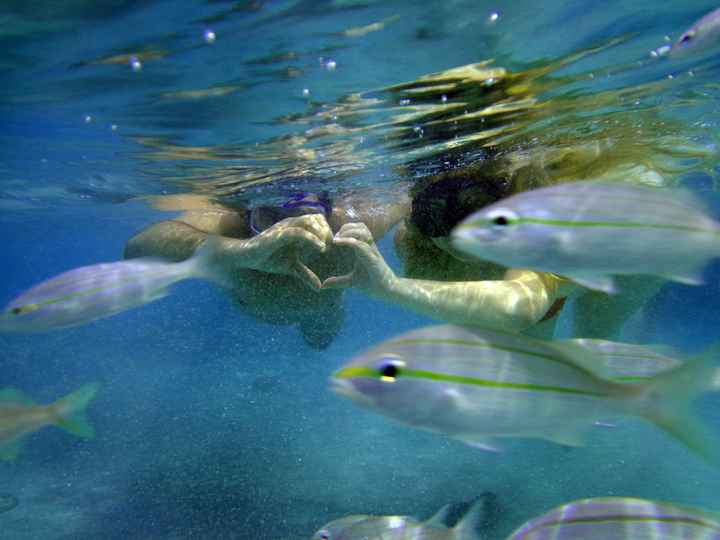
(442, 201)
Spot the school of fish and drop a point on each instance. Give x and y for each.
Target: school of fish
(473, 384)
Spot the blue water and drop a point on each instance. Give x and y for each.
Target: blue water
(209, 423)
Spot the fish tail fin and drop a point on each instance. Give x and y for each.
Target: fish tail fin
(70, 411)
(467, 527)
(203, 263)
(668, 398)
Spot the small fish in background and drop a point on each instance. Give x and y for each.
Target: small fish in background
(621, 518)
(478, 385)
(360, 527)
(703, 34)
(19, 417)
(342, 529)
(592, 230)
(92, 292)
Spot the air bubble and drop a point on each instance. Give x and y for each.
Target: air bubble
(135, 63)
(209, 36)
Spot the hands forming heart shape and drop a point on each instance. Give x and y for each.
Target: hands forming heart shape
(283, 248)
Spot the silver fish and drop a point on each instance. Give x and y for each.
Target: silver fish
(360, 527)
(590, 230)
(704, 33)
(479, 385)
(19, 417)
(101, 290)
(621, 518)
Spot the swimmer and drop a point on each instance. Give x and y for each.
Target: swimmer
(275, 257)
(447, 285)
(290, 268)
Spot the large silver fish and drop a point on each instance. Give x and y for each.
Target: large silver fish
(621, 518)
(92, 292)
(589, 231)
(19, 416)
(479, 385)
(364, 527)
(704, 33)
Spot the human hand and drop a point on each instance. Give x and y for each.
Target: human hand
(370, 271)
(282, 248)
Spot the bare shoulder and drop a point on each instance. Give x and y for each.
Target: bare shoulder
(205, 214)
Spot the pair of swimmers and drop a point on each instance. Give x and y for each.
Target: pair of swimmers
(289, 264)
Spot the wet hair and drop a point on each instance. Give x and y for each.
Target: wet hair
(443, 200)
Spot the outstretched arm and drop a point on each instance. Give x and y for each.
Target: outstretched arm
(280, 249)
(514, 303)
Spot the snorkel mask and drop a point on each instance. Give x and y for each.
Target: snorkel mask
(299, 204)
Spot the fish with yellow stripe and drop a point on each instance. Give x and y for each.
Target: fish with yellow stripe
(479, 385)
(366, 527)
(589, 231)
(621, 518)
(92, 292)
(20, 416)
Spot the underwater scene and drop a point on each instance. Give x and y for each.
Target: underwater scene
(360, 270)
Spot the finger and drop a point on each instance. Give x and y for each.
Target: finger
(305, 238)
(307, 276)
(315, 224)
(358, 231)
(339, 282)
(363, 251)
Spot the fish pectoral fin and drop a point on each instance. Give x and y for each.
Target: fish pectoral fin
(570, 436)
(688, 279)
(481, 443)
(10, 451)
(597, 282)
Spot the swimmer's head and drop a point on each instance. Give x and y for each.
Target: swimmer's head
(298, 204)
(442, 201)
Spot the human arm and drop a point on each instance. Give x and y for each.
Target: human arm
(281, 249)
(516, 302)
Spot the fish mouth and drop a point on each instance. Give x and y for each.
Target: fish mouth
(343, 387)
(346, 389)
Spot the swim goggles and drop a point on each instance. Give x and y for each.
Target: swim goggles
(300, 204)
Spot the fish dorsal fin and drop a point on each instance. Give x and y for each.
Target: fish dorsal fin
(596, 282)
(14, 395)
(466, 528)
(439, 518)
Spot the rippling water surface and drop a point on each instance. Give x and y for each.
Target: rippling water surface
(213, 425)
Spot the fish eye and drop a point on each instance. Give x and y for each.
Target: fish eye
(22, 310)
(323, 535)
(501, 218)
(389, 368)
(686, 38)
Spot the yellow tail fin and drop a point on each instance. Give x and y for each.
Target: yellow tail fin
(70, 411)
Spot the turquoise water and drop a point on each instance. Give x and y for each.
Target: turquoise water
(209, 423)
